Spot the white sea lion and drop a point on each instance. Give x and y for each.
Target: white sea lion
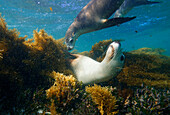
(94, 16)
(129, 4)
(90, 71)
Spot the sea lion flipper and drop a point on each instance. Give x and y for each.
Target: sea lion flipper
(115, 21)
(148, 2)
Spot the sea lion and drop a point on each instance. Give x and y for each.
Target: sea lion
(94, 16)
(90, 71)
(129, 4)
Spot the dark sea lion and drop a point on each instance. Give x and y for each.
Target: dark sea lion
(94, 16)
(129, 4)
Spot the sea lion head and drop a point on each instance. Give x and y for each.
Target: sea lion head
(71, 36)
(114, 55)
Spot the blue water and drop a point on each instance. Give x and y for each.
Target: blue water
(152, 23)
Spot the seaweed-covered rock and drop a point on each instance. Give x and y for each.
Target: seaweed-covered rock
(25, 67)
(148, 51)
(151, 70)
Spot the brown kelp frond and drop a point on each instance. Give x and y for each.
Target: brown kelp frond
(9, 35)
(99, 49)
(61, 87)
(3, 23)
(61, 40)
(48, 52)
(85, 53)
(1, 54)
(103, 98)
(53, 108)
(41, 41)
(75, 51)
(64, 93)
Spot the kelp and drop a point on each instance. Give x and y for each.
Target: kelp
(1, 54)
(25, 67)
(103, 97)
(51, 54)
(98, 51)
(65, 94)
(149, 51)
(152, 70)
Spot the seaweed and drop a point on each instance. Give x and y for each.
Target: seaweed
(147, 100)
(25, 67)
(51, 54)
(97, 51)
(65, 94)
(1, 54)
(151, 70)
(27, 75)
(103, 97)
(149, 51)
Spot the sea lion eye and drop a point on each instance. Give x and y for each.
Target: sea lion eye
(71, 40)
(122, 58)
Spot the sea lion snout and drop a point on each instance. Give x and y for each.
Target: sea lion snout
(70, 43)
(116, 44)
(117, 41)
(69, 47)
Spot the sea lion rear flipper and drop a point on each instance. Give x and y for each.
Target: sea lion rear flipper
(115, 21)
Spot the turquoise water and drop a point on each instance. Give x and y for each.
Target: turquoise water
(152, 23)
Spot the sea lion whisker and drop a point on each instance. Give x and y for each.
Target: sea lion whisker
(119, 67)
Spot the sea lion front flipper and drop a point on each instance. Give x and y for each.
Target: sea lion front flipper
(147, 2)
(105, 23)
